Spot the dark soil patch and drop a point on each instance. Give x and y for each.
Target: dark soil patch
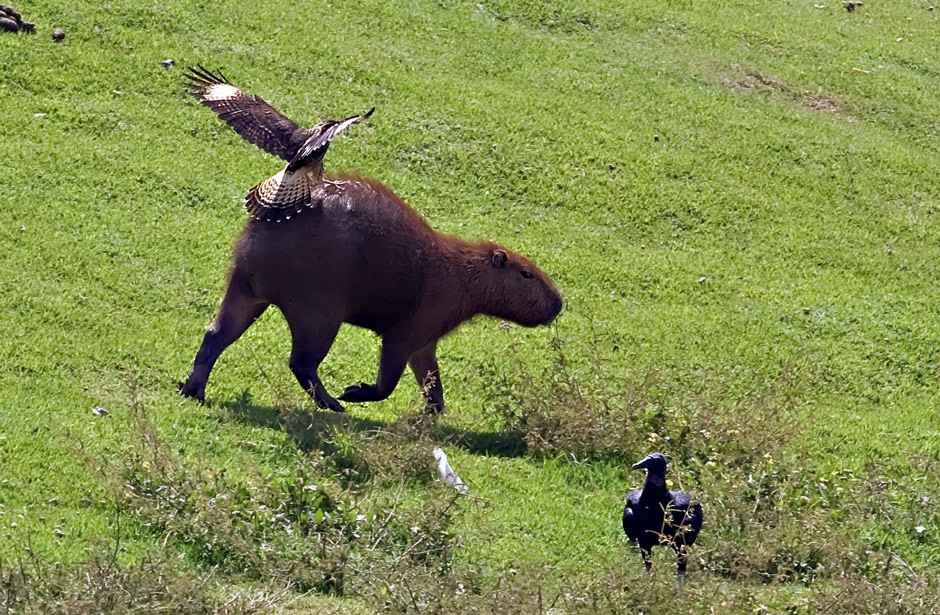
(772, 85)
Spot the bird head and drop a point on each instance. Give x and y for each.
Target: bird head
(654, 463)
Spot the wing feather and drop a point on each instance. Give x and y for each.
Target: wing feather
(630, 521)
(280, 197)
(319, 138)
(251, 117)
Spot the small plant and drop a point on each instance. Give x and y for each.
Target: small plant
(610, 415)
(298, 527)
(102, 584)
(292, 525)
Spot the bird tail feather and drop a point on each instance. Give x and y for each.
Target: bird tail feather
(280, 197)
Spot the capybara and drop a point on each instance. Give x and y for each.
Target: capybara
(361, 255)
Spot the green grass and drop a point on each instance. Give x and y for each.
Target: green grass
(730, 195)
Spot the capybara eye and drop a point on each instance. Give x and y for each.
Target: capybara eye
(527, 274)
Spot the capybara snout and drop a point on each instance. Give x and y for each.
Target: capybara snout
(362, 256)
(528, 296)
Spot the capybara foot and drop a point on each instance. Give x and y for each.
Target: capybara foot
(433, 409)
(362, 392)
(325, 401)
(187, 389)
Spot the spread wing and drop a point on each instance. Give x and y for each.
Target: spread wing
(319, 138)
(251, 117)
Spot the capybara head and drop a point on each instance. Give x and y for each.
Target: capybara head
(517, 290)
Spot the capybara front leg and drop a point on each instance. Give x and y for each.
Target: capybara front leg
(391, 365)
(311, 342)
(239, 309)
(424, 365)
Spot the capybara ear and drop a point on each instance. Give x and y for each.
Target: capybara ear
(498, 258)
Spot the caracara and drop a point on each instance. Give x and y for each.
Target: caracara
(655, 515)
(290, 191)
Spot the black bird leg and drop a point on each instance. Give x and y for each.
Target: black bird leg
(647, 554)
(683, 561)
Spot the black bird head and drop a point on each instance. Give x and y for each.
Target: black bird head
(655, 466)
(654, 463)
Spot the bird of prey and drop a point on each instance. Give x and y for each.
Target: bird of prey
(655, 515)
(287, 193)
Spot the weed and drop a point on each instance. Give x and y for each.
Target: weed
(102, 584)
(616, 416)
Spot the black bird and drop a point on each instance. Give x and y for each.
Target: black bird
(657, 516)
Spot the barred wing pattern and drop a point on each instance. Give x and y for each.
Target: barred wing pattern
(281, 197)
(315, 145)
(251, 117)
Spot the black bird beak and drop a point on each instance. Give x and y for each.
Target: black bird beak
(641, 465)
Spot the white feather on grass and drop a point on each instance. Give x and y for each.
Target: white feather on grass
(447, 473)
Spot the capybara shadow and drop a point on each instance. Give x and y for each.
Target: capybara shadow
(362, 256)
(310, 430)
(315, 430)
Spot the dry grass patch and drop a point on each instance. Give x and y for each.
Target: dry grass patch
(776, 88)
(612, 416)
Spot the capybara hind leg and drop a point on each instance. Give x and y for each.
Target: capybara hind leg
(311, 342)
(240, 307)
(424, 365)
(391, 365)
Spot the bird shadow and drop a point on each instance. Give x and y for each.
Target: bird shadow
(315, 430)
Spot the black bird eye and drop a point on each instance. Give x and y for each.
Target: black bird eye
(527, 274)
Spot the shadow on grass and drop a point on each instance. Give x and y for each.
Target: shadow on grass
(314, 430)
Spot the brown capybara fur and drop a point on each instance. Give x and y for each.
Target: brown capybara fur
(363, 256)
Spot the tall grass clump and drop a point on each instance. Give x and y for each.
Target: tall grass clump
(104, 584)
(321, 523)
(772, 520)
(611, 415)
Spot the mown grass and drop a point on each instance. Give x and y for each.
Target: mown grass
(738, 201)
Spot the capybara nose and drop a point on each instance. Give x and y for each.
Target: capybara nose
(557, 304)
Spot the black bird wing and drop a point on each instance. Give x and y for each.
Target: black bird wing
(631, 525)
(251, 117)
(687, 517)
(319, 138)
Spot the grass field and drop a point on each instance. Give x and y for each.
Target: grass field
(739, 200)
